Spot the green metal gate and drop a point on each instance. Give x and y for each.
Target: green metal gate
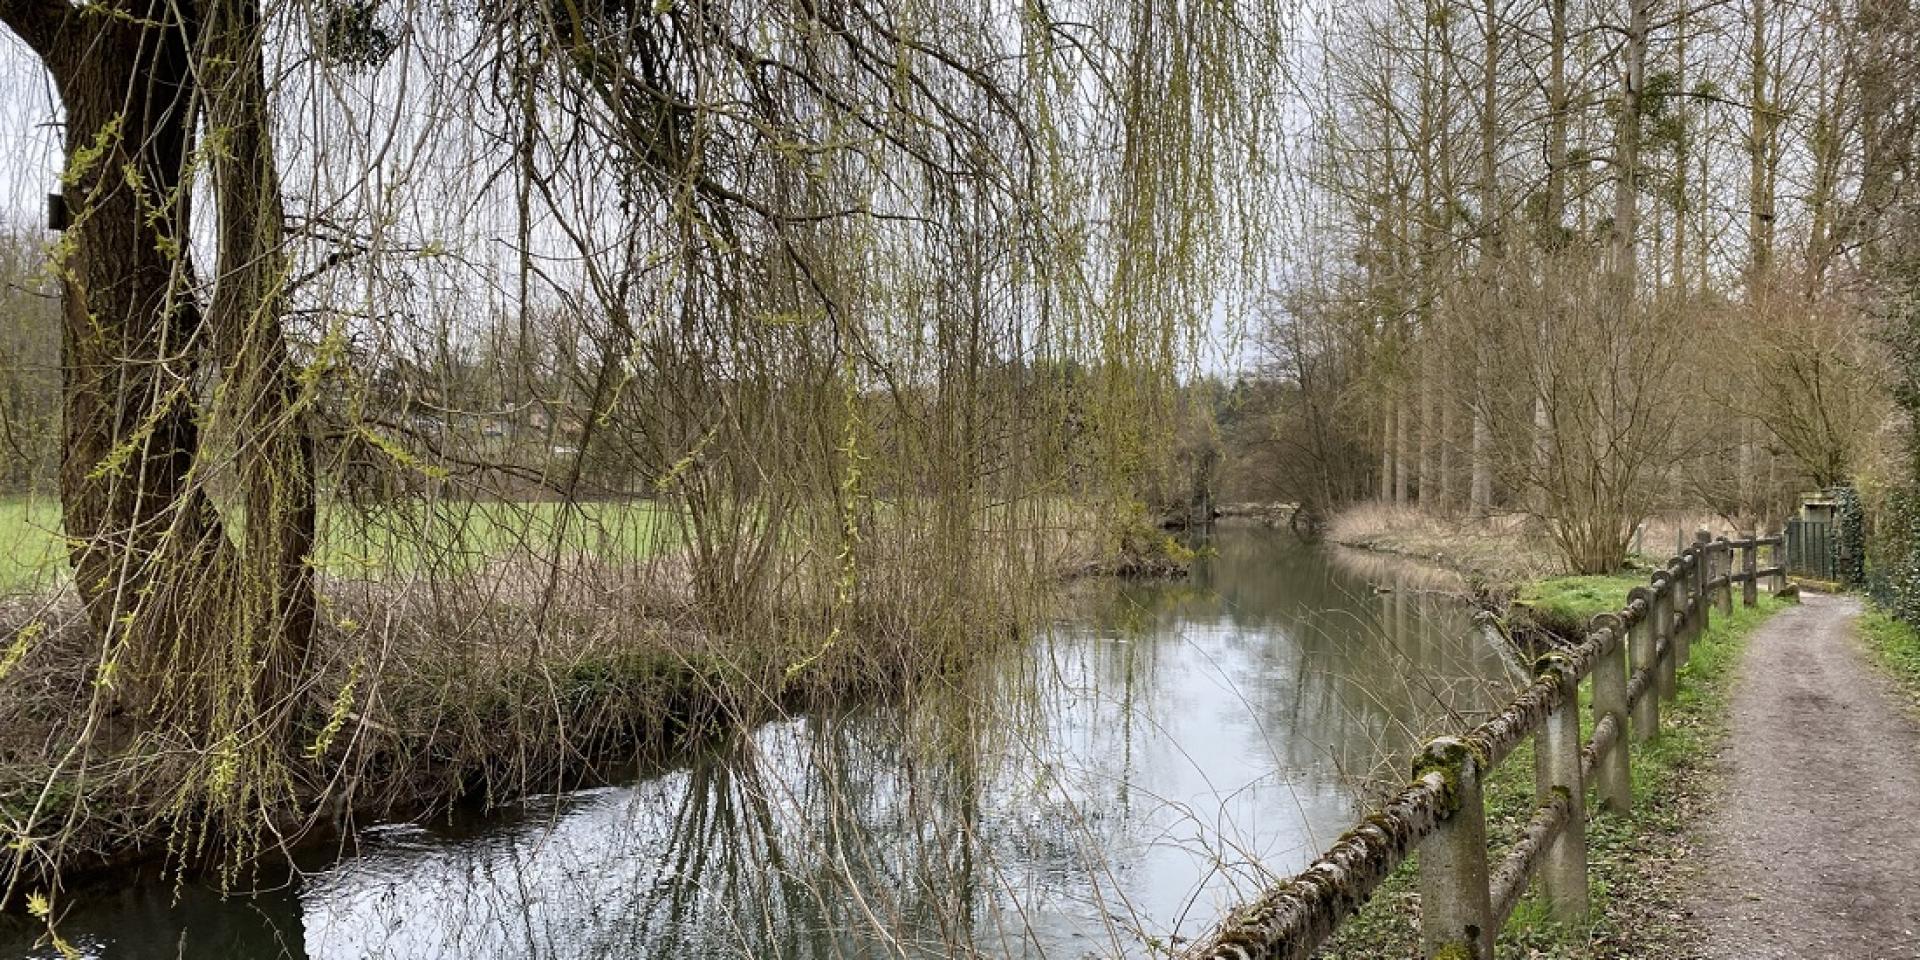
(1810, 549)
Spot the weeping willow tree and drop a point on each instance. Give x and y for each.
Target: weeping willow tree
(456, 388)
(919, 260)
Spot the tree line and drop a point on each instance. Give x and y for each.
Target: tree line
(1584, 262)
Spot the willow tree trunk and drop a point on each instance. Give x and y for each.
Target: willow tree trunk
(175, 605)
(138, 526)
(272, 618)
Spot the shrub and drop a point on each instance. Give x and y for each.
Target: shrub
(1849, 544)
(1893, 556)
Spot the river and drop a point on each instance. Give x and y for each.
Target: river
(1153, 757)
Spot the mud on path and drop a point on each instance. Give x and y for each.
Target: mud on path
(1813, 851)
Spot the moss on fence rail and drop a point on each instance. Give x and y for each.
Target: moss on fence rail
(1638, 894)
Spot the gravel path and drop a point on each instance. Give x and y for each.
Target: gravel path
(1814, 852)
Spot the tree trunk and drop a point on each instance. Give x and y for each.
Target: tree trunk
(142, 533)
(272, 619)
(1627, 158)
(1426, 291)
(1824, 144)
(1425, 486)
(1556, 253)
(1492, 252)
(190, 626)
(1386, 454)
(1761, 124)
(1449, 430)
(1481, 490)
(1682, 164)
(1402, 467)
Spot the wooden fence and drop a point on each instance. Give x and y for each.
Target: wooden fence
(1632, 658)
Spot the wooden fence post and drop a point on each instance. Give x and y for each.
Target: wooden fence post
(1750, 570)
(1563, 872)
(1613, 775)
(1641, 644)
(1679, 624)
(1780, 560)
(1456, 904)
(1702, 596)
(1723, 567)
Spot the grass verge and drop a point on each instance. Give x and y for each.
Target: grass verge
(1896, 646)
(1637, 863)
(1565, 605)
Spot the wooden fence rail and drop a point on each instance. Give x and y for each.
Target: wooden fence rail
(1632, 657)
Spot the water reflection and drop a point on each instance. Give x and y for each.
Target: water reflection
(1157, 756)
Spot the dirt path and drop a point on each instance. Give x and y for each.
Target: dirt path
(1814, 852)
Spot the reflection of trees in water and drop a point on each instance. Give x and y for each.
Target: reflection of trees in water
(872, 835)
(1322, 684)
(1399, 571)
(932, 831)
(828, 840)
(809, 839)
(1356, 660)
(140, 923)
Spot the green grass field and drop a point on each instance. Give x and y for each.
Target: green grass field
(30, 545)
(459, 535)
(449, 536)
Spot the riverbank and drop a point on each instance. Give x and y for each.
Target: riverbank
(519, 674)
(1645, 883)
(1643, 887)
(1504, 549)
(1494, 551)
(425, 697)
(1510, 568)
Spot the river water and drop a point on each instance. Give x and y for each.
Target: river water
(1154, 757)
